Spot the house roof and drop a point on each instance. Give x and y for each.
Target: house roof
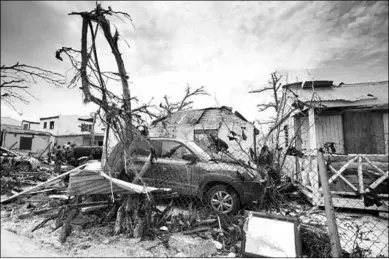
(33, 122)
(193, 116)
(369, 93)
(10, 121)
(32, 132)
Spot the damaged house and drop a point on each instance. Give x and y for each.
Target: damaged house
(351, 122)
(214, 128)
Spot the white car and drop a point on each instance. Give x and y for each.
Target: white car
(10, 158)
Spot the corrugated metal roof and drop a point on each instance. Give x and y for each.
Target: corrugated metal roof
(377, 91)
(186, 117)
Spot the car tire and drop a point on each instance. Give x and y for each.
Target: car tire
(223, 199)
(24, 167)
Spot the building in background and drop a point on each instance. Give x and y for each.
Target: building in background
(30, 125)
(34, 143)
(75, 129)
(210, 125)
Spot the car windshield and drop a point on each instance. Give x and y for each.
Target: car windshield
(199, 151)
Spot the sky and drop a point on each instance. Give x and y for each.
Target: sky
(228, 47)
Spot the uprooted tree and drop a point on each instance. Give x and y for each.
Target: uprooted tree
(17, 79)
(121, 118)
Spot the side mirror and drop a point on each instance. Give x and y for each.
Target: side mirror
(190, 157)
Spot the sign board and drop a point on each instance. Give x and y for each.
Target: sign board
(270, 236)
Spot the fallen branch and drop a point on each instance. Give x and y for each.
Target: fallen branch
(43, 223)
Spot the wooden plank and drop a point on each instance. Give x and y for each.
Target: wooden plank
(43, 184)
(373, 165)
(378, 181)
(360, 175)
(312, 129)
(93, 208)
(348, 183)
(377, 158)
(337, 173)
(353, 203)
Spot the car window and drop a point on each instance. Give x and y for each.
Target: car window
(174, 150)
(142, 148)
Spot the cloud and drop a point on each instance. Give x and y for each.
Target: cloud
(226, 46)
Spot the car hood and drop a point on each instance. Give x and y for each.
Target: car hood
(218, 165)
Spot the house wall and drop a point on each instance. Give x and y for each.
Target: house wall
(35, 126)
(39, 142)
(54, 131)
(330, 129)
(70, 124)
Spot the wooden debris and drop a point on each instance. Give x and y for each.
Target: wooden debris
(43, 223)
(66, 228)
(93, 208)
(42, 184)
(34, 213)
(111, 213)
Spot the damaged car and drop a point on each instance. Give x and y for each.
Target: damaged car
(12, 159)
(190, 170)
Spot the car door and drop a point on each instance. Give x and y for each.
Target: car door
(140, 156)
(174, 168)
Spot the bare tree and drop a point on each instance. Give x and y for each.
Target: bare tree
(275, 90)
(17, 79)
(120, 114)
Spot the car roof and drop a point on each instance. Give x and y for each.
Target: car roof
(173, 139)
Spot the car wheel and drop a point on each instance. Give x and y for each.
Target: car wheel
(223, 199)
(24, 167)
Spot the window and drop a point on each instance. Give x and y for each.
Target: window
(25, 143)
(25, 126)
(363, 132)
(141, 148)
(51, 124)
(175, 150)
(86, 127)
(45, 125)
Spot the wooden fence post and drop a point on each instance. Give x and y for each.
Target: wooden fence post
(329, 209)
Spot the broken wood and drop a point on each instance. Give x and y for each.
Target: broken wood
(66, 229)
(42, 184)
(43, 223)
(93, 208)
(111, 213)
(119, 219)
(34, 213)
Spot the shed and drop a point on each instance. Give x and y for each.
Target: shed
(354, 119)
(27, 141)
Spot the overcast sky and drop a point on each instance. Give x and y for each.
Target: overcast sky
(229, 47)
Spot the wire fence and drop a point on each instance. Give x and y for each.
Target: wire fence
(214, 188)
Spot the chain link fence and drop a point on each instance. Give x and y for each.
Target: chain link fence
(213, 188)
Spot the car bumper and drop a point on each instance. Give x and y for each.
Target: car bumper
(252, 191)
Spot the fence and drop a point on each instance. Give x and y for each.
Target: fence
(213, 190)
